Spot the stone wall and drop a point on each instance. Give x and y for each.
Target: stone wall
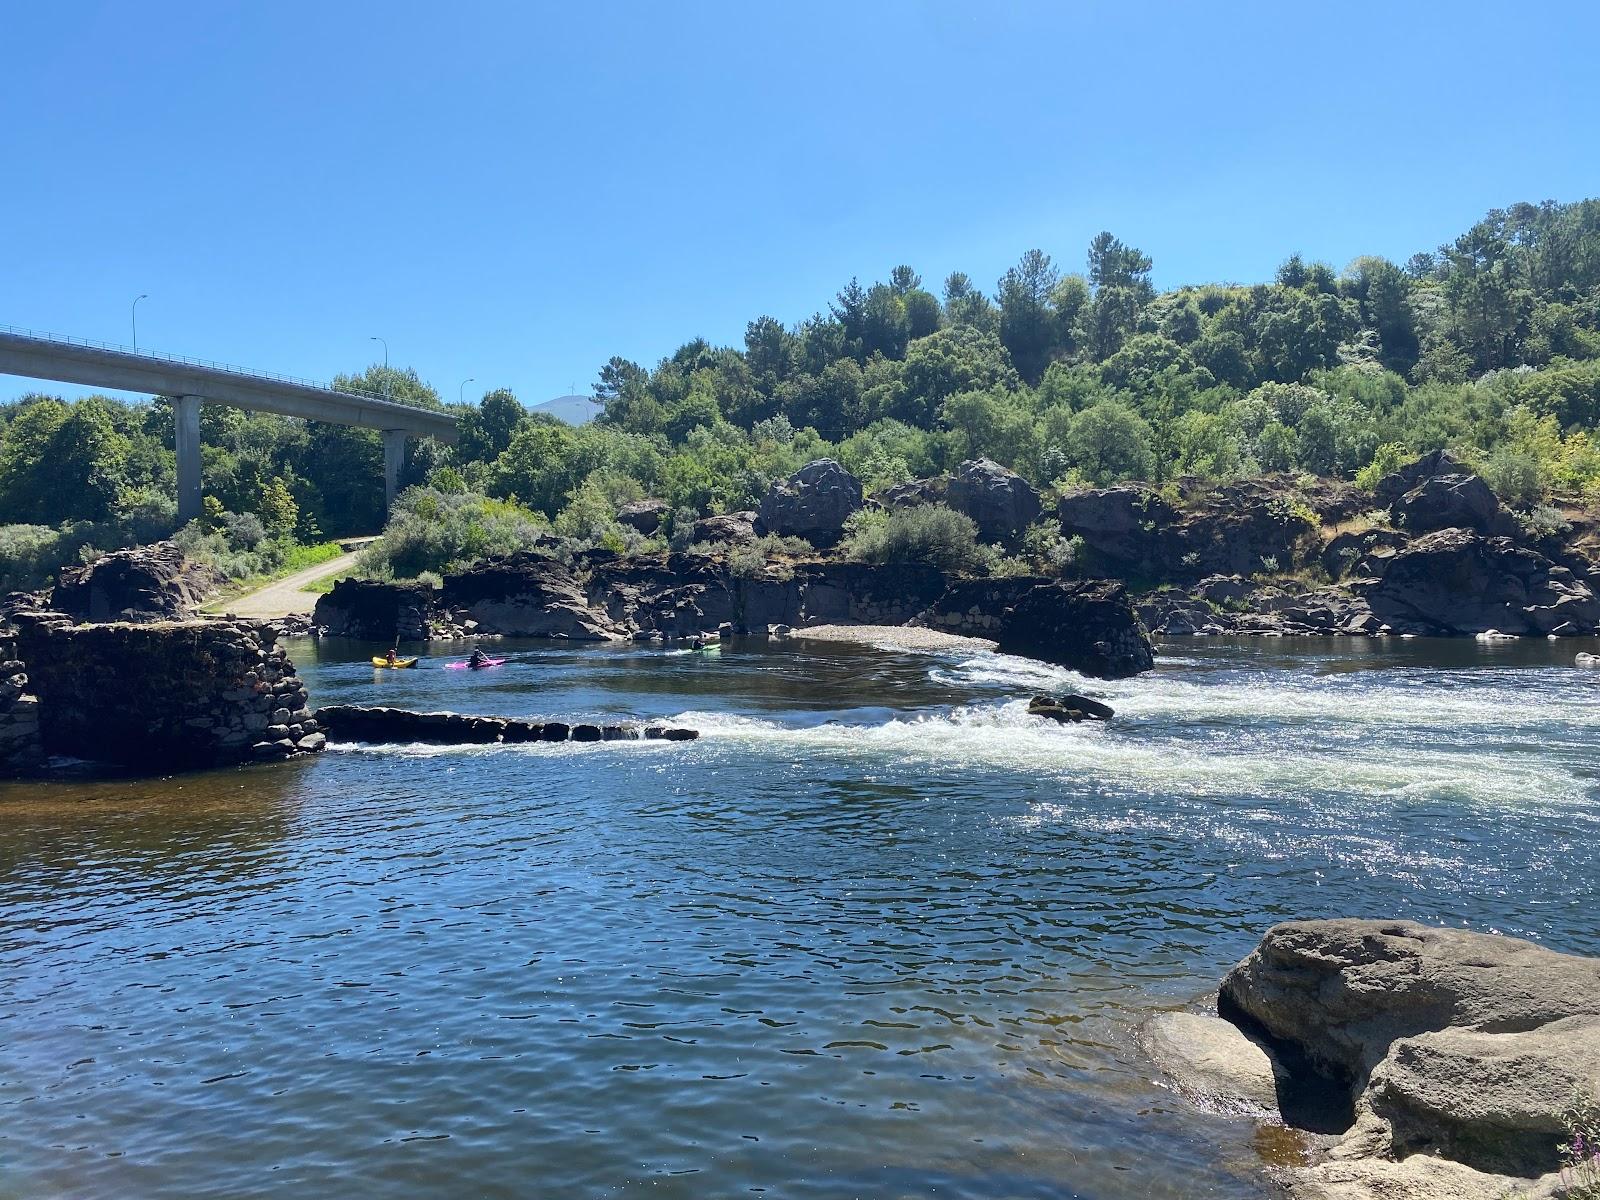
(167, 695)
(20, 746)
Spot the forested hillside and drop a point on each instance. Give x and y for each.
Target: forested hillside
(1489, 346)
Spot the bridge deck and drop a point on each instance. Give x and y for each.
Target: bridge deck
(38, 357)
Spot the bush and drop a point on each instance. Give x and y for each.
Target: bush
(753, 558)
(1514, 475)
(929, 533)
(1386, 460)
(1049, 552)
(443, 532)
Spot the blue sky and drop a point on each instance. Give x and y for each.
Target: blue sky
(514, 192)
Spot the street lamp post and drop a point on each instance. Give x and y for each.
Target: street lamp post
(375, 338)
(464, 383)
(133, 317)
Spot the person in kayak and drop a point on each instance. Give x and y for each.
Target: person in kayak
(394, 655)
(478, 659)
(699, 643)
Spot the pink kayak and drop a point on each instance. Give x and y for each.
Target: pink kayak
(467, 666)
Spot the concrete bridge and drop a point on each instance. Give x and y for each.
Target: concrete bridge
(190, 382)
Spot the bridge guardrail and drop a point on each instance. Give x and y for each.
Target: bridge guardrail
(186, 360)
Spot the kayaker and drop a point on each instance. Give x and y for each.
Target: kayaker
(394, 655)
(478, 659)
(699, 643)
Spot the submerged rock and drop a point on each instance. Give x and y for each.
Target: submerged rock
(382, 725)
(1214, 1063)
(1069, 708)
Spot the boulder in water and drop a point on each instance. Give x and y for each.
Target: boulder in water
(1069, 708)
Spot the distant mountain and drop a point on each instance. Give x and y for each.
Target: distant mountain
(574, 410)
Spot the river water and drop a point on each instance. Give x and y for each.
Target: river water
(877, 934)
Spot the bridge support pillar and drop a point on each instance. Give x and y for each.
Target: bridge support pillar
(394, 458)
(186, 422)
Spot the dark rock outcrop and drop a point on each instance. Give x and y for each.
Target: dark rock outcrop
(167, 695)
(1449, 502)
(528, 596)
(1459, 582)
(1069, 709)
(1430, 466)
(21, 749)
(915, 493)
(734, 528)
(1000, 502)
(645, 516)
(813, 503)
(377, 612)
(1087, 625)
(380, 726)
(1124, 528)
(147, 583)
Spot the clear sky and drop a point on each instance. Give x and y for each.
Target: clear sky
(513, 192)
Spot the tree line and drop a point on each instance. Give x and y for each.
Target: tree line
(1489, 345)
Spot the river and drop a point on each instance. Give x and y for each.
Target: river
(876, 934)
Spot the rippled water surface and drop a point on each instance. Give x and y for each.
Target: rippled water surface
(877, 934)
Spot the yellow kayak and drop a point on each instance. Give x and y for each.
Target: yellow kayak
(399, 662)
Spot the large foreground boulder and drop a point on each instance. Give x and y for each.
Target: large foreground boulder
(1494, 1101)
(813, 503)
(1463, 1045)
(1001, 503)
(147, 583)
(1344, 991)
(1449, 1061)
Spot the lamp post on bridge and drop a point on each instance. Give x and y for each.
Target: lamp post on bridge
(375, 338)
(459, 390)
(133, 317)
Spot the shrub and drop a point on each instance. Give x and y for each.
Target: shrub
(769, 554)
(1049, 552)
(1386, 460)
(929, 533)
(1514, 475)
(443, 532)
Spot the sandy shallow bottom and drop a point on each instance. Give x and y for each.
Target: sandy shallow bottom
(895, 637)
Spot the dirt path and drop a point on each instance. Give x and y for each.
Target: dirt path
(283, 596)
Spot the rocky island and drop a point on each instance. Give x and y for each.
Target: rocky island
(1420, 1063)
